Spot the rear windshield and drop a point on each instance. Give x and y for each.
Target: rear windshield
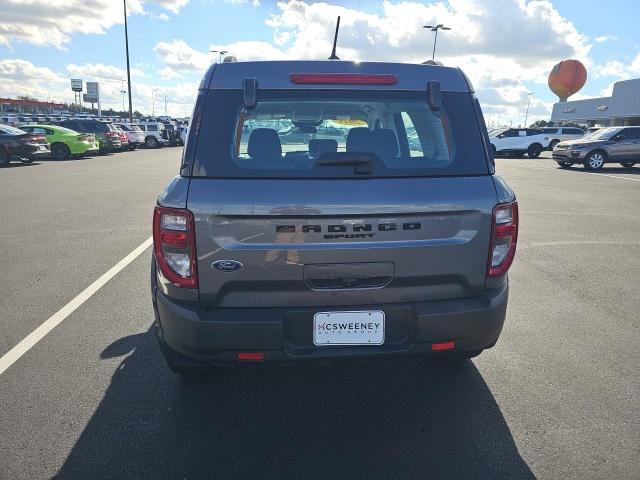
(7, 129)
(329, 134)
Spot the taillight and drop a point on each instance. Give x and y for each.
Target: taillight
(174, 245)
(343, 79)
(504, 236)
(32, 139)
(113, 135)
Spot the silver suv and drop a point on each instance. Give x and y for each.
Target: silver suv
(606, 145)
(384, 233)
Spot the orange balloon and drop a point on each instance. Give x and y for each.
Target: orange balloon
(566, 78)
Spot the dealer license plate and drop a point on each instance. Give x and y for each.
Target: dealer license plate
(348, 328)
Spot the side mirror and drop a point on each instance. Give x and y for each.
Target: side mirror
(250, 88)
(618, 137)
(501, 135)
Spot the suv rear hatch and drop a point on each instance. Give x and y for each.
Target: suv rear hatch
(375, 197)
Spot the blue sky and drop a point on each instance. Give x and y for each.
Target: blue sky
(507, 47)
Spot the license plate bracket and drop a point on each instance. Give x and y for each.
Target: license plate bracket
(349, 328)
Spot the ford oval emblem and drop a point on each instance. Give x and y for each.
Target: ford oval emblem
(227, 265)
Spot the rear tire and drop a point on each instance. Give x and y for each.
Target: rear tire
(4, 157)
(565, 164)
(60, 151)
(595, 160)
(534, 150)
(26, 160)
(553, 144)
(627, 164)
(152, 142)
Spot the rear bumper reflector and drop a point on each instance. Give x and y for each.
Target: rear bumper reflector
(437, 347)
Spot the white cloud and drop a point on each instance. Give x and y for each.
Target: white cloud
(52, 22)
(253, 3)
(618, 69)
(178, 55)
(161, 16)
(23, 78)
(531, 39)
(605, 38)
(168, 73)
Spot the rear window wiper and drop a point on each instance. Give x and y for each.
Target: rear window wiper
(362, 162)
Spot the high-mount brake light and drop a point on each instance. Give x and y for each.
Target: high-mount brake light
(343, 79)
(174, 245)
(504, 236)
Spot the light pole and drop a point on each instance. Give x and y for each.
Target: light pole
(526, 115)
(435, 28)
(153, 101)
(126, 39)
(123, 92)
(220, 53)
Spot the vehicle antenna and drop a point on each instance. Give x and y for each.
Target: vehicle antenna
(335, 42)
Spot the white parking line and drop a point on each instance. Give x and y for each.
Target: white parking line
(52, 322)
(588, 173)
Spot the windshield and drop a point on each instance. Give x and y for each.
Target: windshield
(602, 134)
(66, 130)
(306, 134)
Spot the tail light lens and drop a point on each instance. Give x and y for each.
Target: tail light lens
(174, 245)
(113, 135)
(504, 236)
(33, 139)
(343, 79)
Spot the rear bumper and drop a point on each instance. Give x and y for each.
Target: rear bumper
(285, 335)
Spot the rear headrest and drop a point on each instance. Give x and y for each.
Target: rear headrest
(318, 146)
(384, 142)
(358, 139)
(264, 144)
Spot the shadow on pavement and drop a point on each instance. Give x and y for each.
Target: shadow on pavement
(391, 420)
(606, 169)
(19, 164)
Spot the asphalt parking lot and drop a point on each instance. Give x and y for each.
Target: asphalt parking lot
(556, 398)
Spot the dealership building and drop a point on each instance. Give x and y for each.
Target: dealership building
(622, 108)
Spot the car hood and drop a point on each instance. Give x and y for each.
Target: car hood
(580, 142)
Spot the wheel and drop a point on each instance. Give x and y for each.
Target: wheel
(553, 144)
(627, 164)
(151, 142)
(534, 150)
(4, 157)
(26, 160)
(60, 151)
(565, 164)
(595, 160)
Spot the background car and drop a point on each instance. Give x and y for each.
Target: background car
(124, 138)
(518, 141)
(20, 145)
(134, 134)
(607, 145)
(64, 142)
(153, 137)
(108, 138)
(561, 134)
